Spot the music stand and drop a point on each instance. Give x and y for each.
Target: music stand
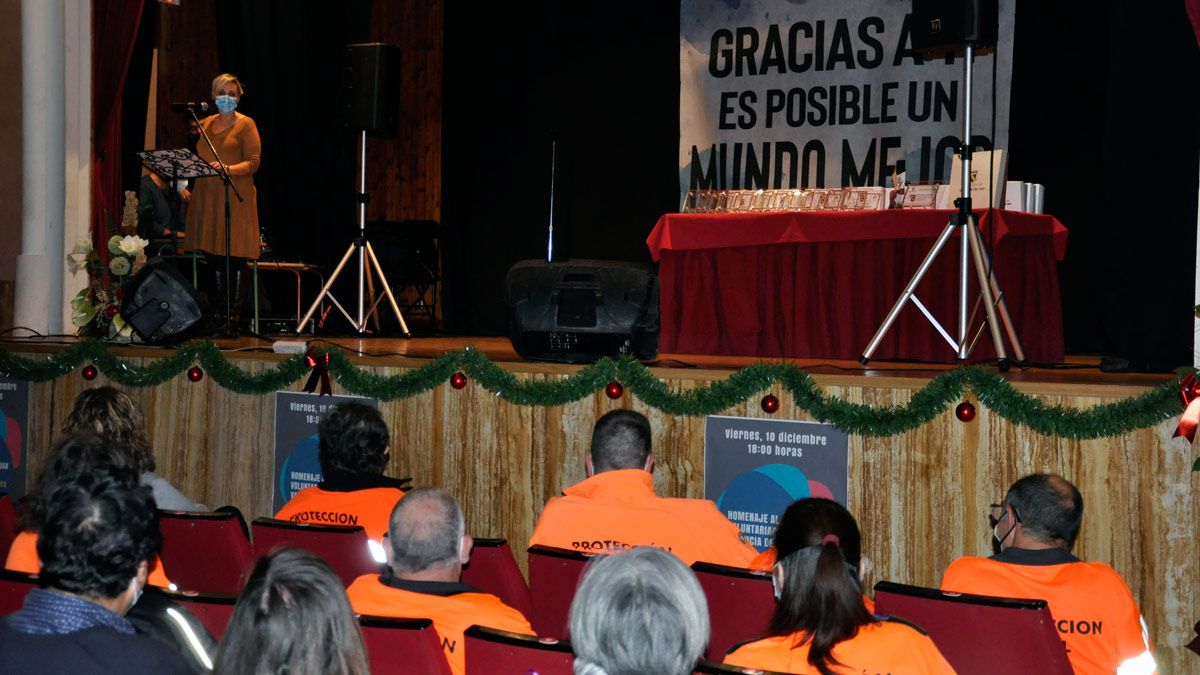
(176, 163)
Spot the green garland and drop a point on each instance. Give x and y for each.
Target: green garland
(994, 392)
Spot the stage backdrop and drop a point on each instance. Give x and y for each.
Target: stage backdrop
(823, 93)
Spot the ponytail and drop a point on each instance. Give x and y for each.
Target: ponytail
(821, 601)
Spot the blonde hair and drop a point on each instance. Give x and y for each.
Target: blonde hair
(223, 79)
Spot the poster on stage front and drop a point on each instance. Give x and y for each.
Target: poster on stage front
(14, 437)
(755, 468)
(297, 415)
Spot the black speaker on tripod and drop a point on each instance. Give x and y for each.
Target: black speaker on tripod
(161, 304)
(580, 310)
(953, 24)
(371, 88)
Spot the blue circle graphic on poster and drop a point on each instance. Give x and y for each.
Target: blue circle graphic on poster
(755, 499)
(301, 469)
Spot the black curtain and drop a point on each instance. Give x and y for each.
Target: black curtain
(604, 89)
(1103, 114)
(288, 55)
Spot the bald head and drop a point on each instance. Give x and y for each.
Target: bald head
(1048, 507)
(427, 533)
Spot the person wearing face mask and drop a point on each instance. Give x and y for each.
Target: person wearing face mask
(236, 139)
(821, 623)
(96, 544)
(1095, 613)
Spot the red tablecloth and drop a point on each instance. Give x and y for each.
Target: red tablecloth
(819, 284)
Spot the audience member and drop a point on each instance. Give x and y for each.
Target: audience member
(428, 545)
(98, 536)
(353, 450)
(113, 413)
(615, 508)
(1096, 614)
(74, 455)
(820, 623)
(293, 617)
(641, 611)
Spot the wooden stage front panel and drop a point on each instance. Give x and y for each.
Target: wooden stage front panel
(921, 497)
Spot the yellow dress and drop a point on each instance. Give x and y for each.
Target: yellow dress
(206, 210)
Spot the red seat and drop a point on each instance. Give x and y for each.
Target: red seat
(965, 629)
(205, 552)
(212, 609)
(714, 668)
(8, 525)
(494, 570)
(498, 652)
(408, 646)
(13, 587)
(740, 604)
(554, 575)
(344, 548)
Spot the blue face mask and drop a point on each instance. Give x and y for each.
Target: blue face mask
(226, 104)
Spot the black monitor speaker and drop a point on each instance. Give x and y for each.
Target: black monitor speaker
(580, 310)
(371, 88)
(954, 24)
(161, 304)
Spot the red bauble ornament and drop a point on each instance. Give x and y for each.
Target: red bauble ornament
(965, 412)
(89, 372)
(111, 311)
(195, 374)
(458, 380)
(614, 390)
(770, 404)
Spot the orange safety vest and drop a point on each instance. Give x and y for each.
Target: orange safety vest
(371, 508)
(451, 614)
(616, 510)
(23, 557)
(886, 647)
(1093, 609)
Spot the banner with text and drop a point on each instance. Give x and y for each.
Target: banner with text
(14, 439)
(755, 468)
(297, 415)
(824, 93)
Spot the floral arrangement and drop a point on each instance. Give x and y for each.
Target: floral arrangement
(96, 310)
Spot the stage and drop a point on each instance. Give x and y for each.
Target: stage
(921, 496)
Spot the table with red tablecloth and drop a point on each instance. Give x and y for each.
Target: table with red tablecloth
(819, 284)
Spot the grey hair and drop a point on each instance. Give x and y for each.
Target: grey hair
(641, 611)
(425, 530)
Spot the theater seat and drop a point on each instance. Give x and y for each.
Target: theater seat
(554, 575)
(966, 628)
(8, 525)
(491, 652)
(212, 609)
(714, 668)
(13, 587)
(494, 570)
(403, 646)
(740, 603)
(205, 552)
(344, 548)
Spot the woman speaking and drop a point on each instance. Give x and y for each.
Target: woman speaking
(235, 138)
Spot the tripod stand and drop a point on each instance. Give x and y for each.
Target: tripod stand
(970, 249)
(366, 262)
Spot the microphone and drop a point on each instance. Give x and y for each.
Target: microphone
(189, 107)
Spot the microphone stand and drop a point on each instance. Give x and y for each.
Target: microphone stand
(228, 330)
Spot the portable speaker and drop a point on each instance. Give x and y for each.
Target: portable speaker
(371, 88)
(580, 310)
(161, 304)
(954, 24)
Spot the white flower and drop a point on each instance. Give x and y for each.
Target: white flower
(83, 246)
(114, 244)
(132, 245)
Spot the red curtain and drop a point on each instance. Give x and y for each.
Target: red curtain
(114, 30)
(1193, 10)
